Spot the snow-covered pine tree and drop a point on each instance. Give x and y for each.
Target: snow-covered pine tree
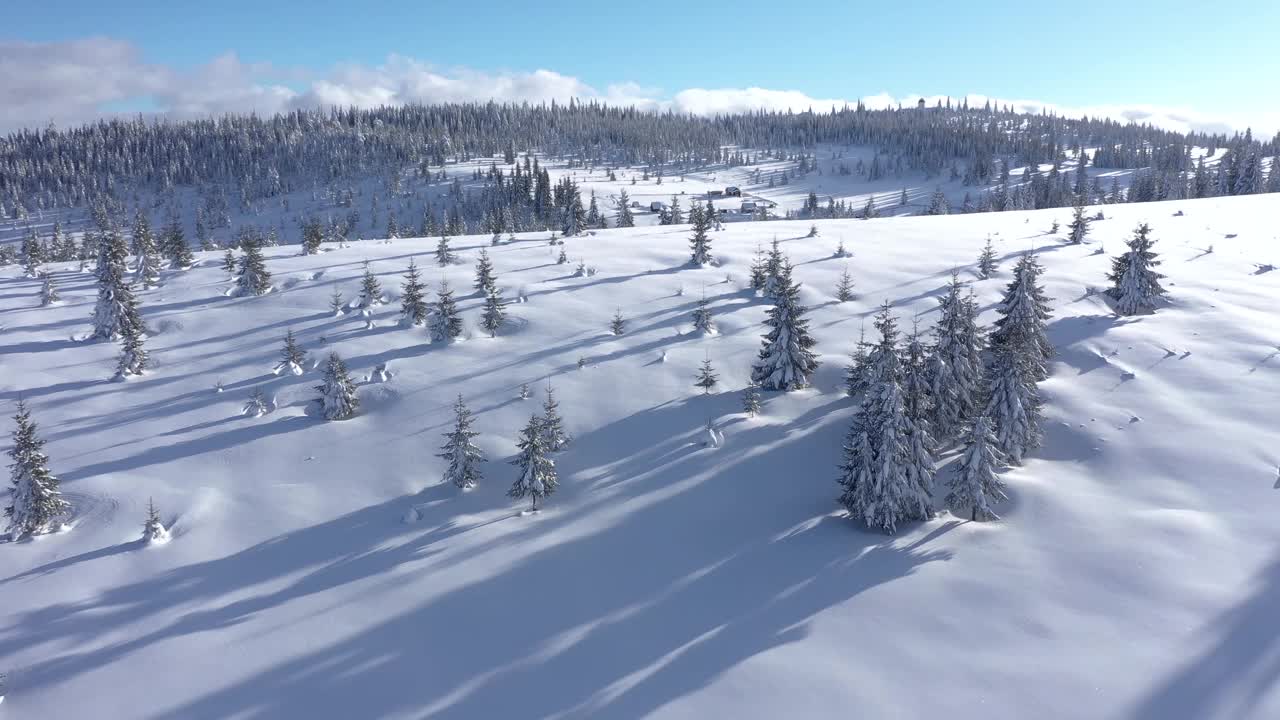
(1079, 225)
(336, 304)
(856, 375)
(293, 359)
(626, 218)
(229, 263)
(773, 267)
(554, 436)
(254, 279)
(153, 530)
(702, 316)
(133, 356)
(751, 399)
(759, 272)
(34, 501)
(444, 255)
(484, 273)
(116, 310)
(413, 303)
(618, 325)
(48, 292)
(445, 325)
(494, 313)
(938, 204)
(886, 472)
(987, 262)
(175, 249)
(1013, 401)
(786, 359)
(463, 456)
(338, 398)
(1136, 285)
(32, 254)
(869, 210)
(700, 243)
(537, 475)
(953, 373)
(312, 236)
(257, 405)
(707, 377)
(1024, 311)
(844, 289)
(370, 288)
(975, 486)
(144, 243)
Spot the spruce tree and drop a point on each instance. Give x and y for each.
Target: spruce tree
(148, 272)
(1136, 285)
(759, 270)
(537, 475)
(1012, 402)
(844, 289)
(773, 267)
(312, 236)
(938, 204)
(413, 303)
(869, 210)
(176, 250)
(857, 375)
(444, 255)
(626, 218)
(48, 293)
(786, 359)
(702, 316)
(336, 304)
(617, 325)
(987, 262)
(254, 279)
(1079, 225)
(153, 530)
(229, 263)
(34, 502)
(975, 486)
(133, 356)
(953, 372)
(463, 456)
(370, 288)
(338, 398)
(116, 310)
(257, 405)
(293, 359)
(445, 324)
(484, 273)
(494, 313)
(554, 436)
(1024, 310)
(751, 399)
(707, 377)
(700, 243)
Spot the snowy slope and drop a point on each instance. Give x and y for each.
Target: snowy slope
(1135, 573)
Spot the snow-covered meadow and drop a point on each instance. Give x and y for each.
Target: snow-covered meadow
(320, 569)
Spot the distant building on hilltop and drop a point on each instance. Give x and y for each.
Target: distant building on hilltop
(920, 104)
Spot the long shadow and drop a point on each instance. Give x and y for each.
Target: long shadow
(1239, 668)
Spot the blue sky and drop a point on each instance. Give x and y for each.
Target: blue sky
(1213, 60)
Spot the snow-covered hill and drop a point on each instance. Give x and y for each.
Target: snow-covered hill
(1135, 572)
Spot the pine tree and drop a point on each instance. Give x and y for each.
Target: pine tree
(444, 255)
(494, 314)
(175, 247)
(1079, 224)
(413, 303)
(844, 289)
(869, 210)
(338, 398)
(773, 267)
(257, 405)
(537, 476)
(625, 217)
(116, 310)
(445, 325)
(1024, 310)
(148, 272)
(1135, 283)
(707, 377)
(554, 437)
(856, 376)
(484, 273)
(938, 204)
(153, 530)
(133, 357)
(463, 456)
(293, 359)
(759, 271)
(312, 236)
(229, 263)
(32, 254)
(751, 399)
(700, 243)
(1012, 402)
(618, 325)
(786, 359)
(953, 372)
(253, 278)
(702, 316)
(336, 304)
(975, 486)
(370, 288)
(48, 293)
(35, 502)
(987, 263)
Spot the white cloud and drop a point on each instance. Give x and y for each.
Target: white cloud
(80, 80)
